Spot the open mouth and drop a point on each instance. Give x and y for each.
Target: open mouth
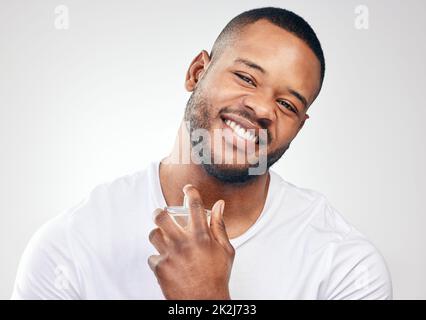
(241, 131)
(241, 127)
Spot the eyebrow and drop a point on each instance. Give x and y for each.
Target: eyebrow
(300, 97)
(255, 66)
(250, 64)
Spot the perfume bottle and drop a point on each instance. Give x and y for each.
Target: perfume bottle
(181, 214)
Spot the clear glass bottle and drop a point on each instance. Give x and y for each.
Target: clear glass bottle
(181, 214)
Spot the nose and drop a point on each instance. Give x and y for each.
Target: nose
(263, 107)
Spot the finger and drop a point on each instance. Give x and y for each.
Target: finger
(217, 224)
(157, 238)
(165, 222)
(196, 208)
(153, 262)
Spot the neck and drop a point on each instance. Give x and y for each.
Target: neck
(244, 202)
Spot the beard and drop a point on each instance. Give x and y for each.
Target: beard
(198, 116)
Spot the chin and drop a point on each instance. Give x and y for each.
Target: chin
(229, 173)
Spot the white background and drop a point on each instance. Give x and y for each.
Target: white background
(82, 106)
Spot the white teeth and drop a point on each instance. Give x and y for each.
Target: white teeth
(240, 131)
(243, 133)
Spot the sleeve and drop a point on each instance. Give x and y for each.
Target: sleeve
(46, 269)
(358, 272)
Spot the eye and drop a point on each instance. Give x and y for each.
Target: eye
(245, 79)
(288, 106)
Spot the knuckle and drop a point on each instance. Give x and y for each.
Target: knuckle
(182, 247)
(202, 237)
(157, 269)
(159, 265)
(153, 263)
(231, 250)
(197, 203)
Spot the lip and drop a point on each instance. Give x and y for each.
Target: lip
(243, 122)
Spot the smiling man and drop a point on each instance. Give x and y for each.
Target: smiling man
(265, 239)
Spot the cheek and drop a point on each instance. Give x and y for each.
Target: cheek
(222, 91)
(286, 131)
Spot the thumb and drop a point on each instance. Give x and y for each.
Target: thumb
(217, 225)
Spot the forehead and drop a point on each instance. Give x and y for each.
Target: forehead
(286, 59)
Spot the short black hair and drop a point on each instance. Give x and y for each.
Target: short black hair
(282, 18)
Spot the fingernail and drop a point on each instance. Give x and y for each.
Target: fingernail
(185, 187)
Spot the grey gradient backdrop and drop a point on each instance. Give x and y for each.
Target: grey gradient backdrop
(82, 106)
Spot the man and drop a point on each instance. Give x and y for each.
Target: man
(266, 238)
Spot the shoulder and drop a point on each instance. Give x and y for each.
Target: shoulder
(354, 268)
(357, 270)
(51, 263)
(46, 268)
(116, 200)
(310, 209)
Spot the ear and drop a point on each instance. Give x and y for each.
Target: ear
(196, 70)
(303, 122)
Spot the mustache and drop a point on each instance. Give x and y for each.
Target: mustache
(249, 116)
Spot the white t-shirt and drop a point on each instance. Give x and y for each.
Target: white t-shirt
(299, 248)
